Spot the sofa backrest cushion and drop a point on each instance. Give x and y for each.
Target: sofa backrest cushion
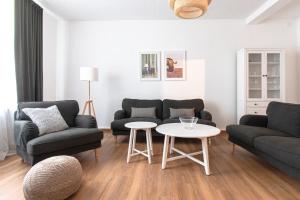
(68, 109)
(127, 104)
(197, 104)
(284, 117)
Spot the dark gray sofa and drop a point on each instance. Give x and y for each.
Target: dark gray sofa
(122, 117)
(82, 135)
(275, 137)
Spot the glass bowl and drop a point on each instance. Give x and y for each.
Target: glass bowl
(188, 122)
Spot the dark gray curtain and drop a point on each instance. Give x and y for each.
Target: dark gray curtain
(29, 50)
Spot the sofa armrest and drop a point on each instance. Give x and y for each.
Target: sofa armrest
(85, 121)
(24, 131)
(254, 120)
(205, 115)
(120, 114)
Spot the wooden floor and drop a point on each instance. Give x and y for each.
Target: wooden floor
(234, 176)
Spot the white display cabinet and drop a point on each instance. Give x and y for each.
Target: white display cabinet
(260, 79)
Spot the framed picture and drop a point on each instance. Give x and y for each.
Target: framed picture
(174, 65)
(150, 66)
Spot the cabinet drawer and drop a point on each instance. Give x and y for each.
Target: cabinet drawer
(257, 104)
(256, 111)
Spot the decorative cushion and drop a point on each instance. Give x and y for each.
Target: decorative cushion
(54, 178)
(197, 104)
(182, 112)
(68, 109)
(143, 112)
(47, 119)
(284, 117)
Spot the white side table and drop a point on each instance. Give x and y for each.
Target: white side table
(177, 130)
(134, 126)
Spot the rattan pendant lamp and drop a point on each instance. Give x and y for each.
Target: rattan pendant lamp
(189, 9)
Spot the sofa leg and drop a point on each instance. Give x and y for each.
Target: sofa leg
(95, 150)
(116, 139)
(233, 148)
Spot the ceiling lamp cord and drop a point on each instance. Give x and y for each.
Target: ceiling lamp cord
(189, 9)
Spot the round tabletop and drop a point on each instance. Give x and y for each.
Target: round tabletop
(177, 130)
(140, 125)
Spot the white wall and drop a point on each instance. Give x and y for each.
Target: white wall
(49, 56)
(211, 47)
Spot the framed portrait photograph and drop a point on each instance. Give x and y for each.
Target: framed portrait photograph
(174, 65)
(150, 66)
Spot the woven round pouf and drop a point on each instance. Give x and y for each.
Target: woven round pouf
(54, 178)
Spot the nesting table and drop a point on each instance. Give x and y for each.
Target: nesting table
(177, 130)
(134, 127)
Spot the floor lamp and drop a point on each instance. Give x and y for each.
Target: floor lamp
(89, 74)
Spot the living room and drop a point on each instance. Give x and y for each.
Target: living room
(107, 64)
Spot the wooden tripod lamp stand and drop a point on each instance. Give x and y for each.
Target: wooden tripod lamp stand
(89, 74)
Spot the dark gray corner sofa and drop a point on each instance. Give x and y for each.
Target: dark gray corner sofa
(275, 137)
(82, 135)
(123, 116)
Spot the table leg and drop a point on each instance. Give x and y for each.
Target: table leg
(148, 132)
(205, 155)
(133, 141)
(151, 144)
(130, 145)
(172, 144)
(165, 152)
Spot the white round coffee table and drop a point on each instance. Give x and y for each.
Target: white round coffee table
(134, 126)
(177, 130)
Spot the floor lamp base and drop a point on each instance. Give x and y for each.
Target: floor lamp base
(89, 107)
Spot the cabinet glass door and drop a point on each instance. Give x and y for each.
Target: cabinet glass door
(273, 75)
(255, 75)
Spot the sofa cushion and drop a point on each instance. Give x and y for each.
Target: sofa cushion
(143, 112)
(197, 104)
(68, 109)
(127, 104)
(63, 139)
(200, 121)
(119, 124)
(284, 117)
(247, 134)
(284, 149)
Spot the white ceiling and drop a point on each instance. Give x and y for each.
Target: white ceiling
(291, 11)
(144, 9)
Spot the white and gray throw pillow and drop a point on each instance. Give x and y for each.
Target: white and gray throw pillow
(181, 112)
(48, 120)
(143, 112)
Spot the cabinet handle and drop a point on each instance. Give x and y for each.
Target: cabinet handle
(255, 112)
(255, 104)
(265, 75)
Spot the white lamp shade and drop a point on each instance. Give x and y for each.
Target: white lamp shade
(88, 74)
